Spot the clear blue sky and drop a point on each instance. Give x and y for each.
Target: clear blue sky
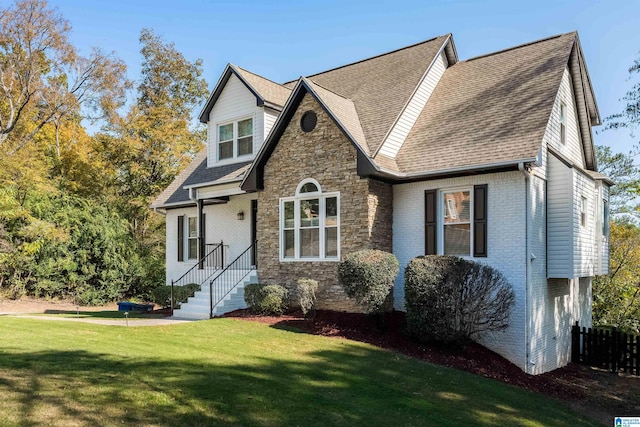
(282, 40)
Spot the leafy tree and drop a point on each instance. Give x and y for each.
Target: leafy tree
(43, 79)
(626, 175)
(629, 117)
(155, 139)
(616, 297)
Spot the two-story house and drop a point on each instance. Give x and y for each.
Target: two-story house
(412, 152)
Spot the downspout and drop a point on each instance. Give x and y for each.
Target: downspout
(527, 302)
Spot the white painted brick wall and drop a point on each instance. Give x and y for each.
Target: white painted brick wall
(222, 224)
(506, 248)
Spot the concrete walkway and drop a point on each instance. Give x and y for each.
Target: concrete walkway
(165, 321)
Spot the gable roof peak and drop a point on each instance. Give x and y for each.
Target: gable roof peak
(370, 58)
(267, 92)
(509, 49)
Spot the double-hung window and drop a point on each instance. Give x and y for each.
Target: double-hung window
(235, 139)
(456, 221)
(192, 237)
(309, 224)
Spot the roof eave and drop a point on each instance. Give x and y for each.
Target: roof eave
(400, 177)
(213, 183)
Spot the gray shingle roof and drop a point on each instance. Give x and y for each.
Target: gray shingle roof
(271, 92)
(198, 173)
(344, 111)
(380, 86)
(179, 180)
(489, 109)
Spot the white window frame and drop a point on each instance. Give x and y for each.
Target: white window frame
(235, 138)
(322, 227)
(584, 207)
(441, 217)
(188, 238)
(563, 123)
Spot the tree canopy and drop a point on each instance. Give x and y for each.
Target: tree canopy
(74, 216)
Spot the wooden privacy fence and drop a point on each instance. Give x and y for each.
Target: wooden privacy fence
(607, 349)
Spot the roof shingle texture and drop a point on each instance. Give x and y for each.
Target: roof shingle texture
(489, 109)
(345, 112)
(197, 173)
(380, 86)
(270, 91)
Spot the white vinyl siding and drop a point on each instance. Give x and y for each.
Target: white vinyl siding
(270, 118)
(572, 148)
(407, 119)
(573, 247)
(584, 246)
(604, 246)
(559, 219)
(235, 103)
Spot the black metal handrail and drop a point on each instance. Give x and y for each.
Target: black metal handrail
(213, 260)
(235, 272)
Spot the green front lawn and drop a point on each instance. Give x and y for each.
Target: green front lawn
(228, 371)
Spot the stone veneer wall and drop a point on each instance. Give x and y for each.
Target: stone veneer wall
(326, 155)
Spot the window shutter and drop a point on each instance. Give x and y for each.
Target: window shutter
(181, 238)
(480, 220)
(431, 216)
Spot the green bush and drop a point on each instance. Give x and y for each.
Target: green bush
(252, 295)
(306, 292)
(368, 276)
(450, 299)
(162, 294)
(267, 299)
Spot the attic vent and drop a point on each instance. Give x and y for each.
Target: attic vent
(308, 121)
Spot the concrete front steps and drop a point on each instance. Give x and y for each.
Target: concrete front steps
(197, 307)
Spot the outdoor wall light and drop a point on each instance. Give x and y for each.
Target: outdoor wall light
(241, 216)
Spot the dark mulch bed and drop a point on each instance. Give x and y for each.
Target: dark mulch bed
(586, 390)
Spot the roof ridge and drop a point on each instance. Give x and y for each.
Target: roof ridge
(327, 89)
(518, 46)
(262, 77)
(372, 57)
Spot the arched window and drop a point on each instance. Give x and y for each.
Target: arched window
(310, 224)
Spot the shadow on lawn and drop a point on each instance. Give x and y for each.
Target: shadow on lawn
(109, 314)
(352, 386)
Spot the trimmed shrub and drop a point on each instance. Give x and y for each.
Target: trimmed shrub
(306, 292)
(252, 295)
(267, 299)
(450, 299)
(162, 294)
(368, 276)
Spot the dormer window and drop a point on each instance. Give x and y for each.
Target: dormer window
(235, 139)
(563, 121)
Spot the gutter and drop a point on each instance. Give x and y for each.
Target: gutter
(160, 211)
(497, 165)
(527, 259)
